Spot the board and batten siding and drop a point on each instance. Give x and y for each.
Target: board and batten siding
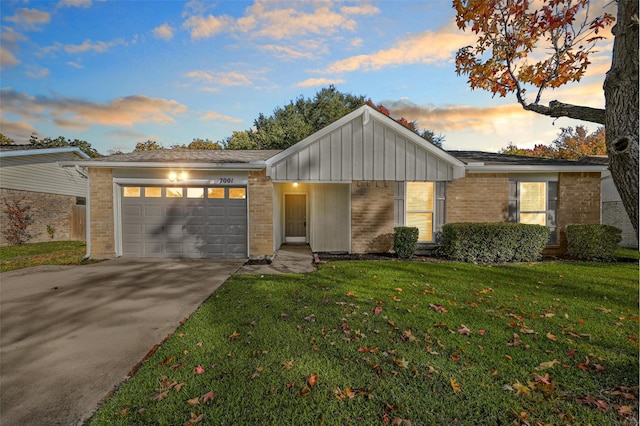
(362, 151)
(42, 173)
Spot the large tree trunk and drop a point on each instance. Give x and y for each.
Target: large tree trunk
(621, 108)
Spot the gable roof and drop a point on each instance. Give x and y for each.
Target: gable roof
(188, 158)
(487, 162)
(363, 145)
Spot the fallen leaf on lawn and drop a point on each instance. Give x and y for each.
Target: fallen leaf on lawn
(179, 386)
(177, 366)
(194, 419)
(305, 391)
(438, 308)
(397, 421)
(481, 332)
(365, 349)
(589, 400)
(313, 379)
(199, 344)
(427, 291)
(169, 360)
(402, 363)
(209, 396)
(440, 325)
(310, 318)
(571, 352)
(352, 294)
(199, 369)
(454, 385)
(287, 365)
(625, 410)
(464, 330)
(549, 315)
(551, 337)
(234, 335)
(455, 357)
(547, 365)
(521, 389)
(377, 310)
(194, 401)
(160, 395)
(603, 309)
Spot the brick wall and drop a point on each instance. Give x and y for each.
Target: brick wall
(614, 214)
(46, 209)
(101, 213)
(260, 215)
(478, 197)
(372, 216)
(578, 202)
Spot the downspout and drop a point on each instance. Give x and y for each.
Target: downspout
(88, 219)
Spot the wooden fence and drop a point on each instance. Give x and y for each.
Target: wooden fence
(78, 223)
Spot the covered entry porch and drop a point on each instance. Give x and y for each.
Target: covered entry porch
(318, 214)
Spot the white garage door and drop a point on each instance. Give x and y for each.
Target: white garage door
(193, 222)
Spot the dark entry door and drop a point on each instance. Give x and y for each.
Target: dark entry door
(295, 218)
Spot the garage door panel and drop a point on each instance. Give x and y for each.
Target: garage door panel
(153, 211)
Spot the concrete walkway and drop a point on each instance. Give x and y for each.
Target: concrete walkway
(290, 259)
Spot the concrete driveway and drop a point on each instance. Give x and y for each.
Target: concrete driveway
(69, 335)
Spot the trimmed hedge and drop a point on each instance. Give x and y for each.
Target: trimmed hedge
(493, 242)
(593, 242)
(405, 241)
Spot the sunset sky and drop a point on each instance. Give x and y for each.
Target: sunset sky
(115, 73)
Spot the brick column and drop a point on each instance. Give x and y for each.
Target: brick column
(101, 213)
(578, 201)
(260, 215)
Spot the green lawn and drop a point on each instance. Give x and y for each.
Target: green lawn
(36, 254)
(400, 343)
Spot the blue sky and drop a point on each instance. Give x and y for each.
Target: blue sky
(116, 73)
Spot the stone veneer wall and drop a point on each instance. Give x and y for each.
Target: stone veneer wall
(478, 197)
(46, 209)
(372, 216)
(260, 215)
(101, 213)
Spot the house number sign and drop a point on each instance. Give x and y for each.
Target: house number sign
(229, 180)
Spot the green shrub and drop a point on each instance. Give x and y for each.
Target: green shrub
(593, 242)
(493, 242)
(405, 241)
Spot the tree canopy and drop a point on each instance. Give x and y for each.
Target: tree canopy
(523, 45)
(62, 142)
(6, 140)
(571, 144)
(302, 117)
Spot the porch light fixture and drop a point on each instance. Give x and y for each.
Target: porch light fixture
(177, 177)
(295, 184)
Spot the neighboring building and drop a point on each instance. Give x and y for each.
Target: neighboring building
(55, 194)
(342, 189)
(613, 211)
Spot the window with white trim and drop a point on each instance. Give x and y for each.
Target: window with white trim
(420, 206)
(535, 203)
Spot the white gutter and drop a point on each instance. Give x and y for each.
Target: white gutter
(88, 220)
(473, 168)
(24, 152)
(166, 165)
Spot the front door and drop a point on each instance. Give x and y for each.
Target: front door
(295, 218)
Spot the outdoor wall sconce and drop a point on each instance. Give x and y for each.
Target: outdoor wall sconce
(177, 177)
(295, 184)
